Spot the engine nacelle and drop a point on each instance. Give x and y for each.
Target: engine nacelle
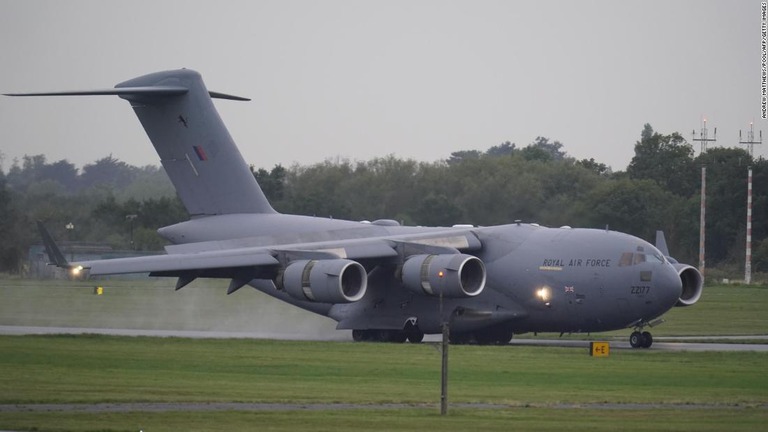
(456, 275)
(325, 281)
(693, 284)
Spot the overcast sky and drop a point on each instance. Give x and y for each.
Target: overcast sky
(361, 79)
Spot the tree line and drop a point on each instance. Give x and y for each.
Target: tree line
(536, 183)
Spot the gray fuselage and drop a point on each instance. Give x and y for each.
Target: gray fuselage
(538, 279)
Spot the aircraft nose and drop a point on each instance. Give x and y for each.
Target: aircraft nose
(669, 285)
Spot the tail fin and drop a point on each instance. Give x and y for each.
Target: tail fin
(55, 256)
(194, 146)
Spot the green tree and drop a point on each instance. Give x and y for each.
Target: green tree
(543, 150)
(272, 182)
(760, 257)
(36, 169)
(11, 252)
(149, 182)
(726, 203)
(665, 159)
(594, 166)
(564, 184)
(384, 187)
(760, 199)
(504, 149)
(107, 172)
(317, 190)
(114, 220)
(638, 207)
(463, 155)
(437, 210)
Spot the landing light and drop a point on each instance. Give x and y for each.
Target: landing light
(543, 294)
(76, 270)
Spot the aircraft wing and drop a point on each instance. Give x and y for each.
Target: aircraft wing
(178, 263)
(244, 264)
(172, 263)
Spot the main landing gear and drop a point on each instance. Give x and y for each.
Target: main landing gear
(487, 336)
(412, 335)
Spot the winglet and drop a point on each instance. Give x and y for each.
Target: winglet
(661, 243)
(54, 253)
(218, 95)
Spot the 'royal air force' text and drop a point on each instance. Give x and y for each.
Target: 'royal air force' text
(577, 262)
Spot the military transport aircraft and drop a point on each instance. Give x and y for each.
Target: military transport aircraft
(384, 281)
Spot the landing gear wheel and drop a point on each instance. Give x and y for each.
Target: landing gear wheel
(640, 340)
(380, 335)
(397, 336)
(492, 336)
(647, 340)
(465, 338)
(415, 336)
(505, 337)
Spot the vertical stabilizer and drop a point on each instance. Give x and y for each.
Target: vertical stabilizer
(194, 146)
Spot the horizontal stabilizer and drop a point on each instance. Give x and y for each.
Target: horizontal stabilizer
(124, 91)
(133, 91)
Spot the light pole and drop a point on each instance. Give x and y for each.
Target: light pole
(444, 351)
(70, 231)
(130, 218)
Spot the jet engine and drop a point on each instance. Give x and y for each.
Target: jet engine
(325, 281)
(456, 275)
(693, 284)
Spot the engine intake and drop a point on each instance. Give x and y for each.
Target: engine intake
(325, 281)
(693, 284)
(456, 275)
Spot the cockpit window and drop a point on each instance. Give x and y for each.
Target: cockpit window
(626, 259)
(630, 259)
(655, 258)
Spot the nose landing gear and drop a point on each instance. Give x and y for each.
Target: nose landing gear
(640, 338)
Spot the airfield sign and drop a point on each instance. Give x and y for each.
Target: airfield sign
(599, 349)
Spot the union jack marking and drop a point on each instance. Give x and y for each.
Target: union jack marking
(200, 152)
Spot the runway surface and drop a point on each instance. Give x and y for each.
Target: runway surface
(660, 344)
(192, 334)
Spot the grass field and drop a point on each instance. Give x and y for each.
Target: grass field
(418, 420)
(541, 388)
(532, 381)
